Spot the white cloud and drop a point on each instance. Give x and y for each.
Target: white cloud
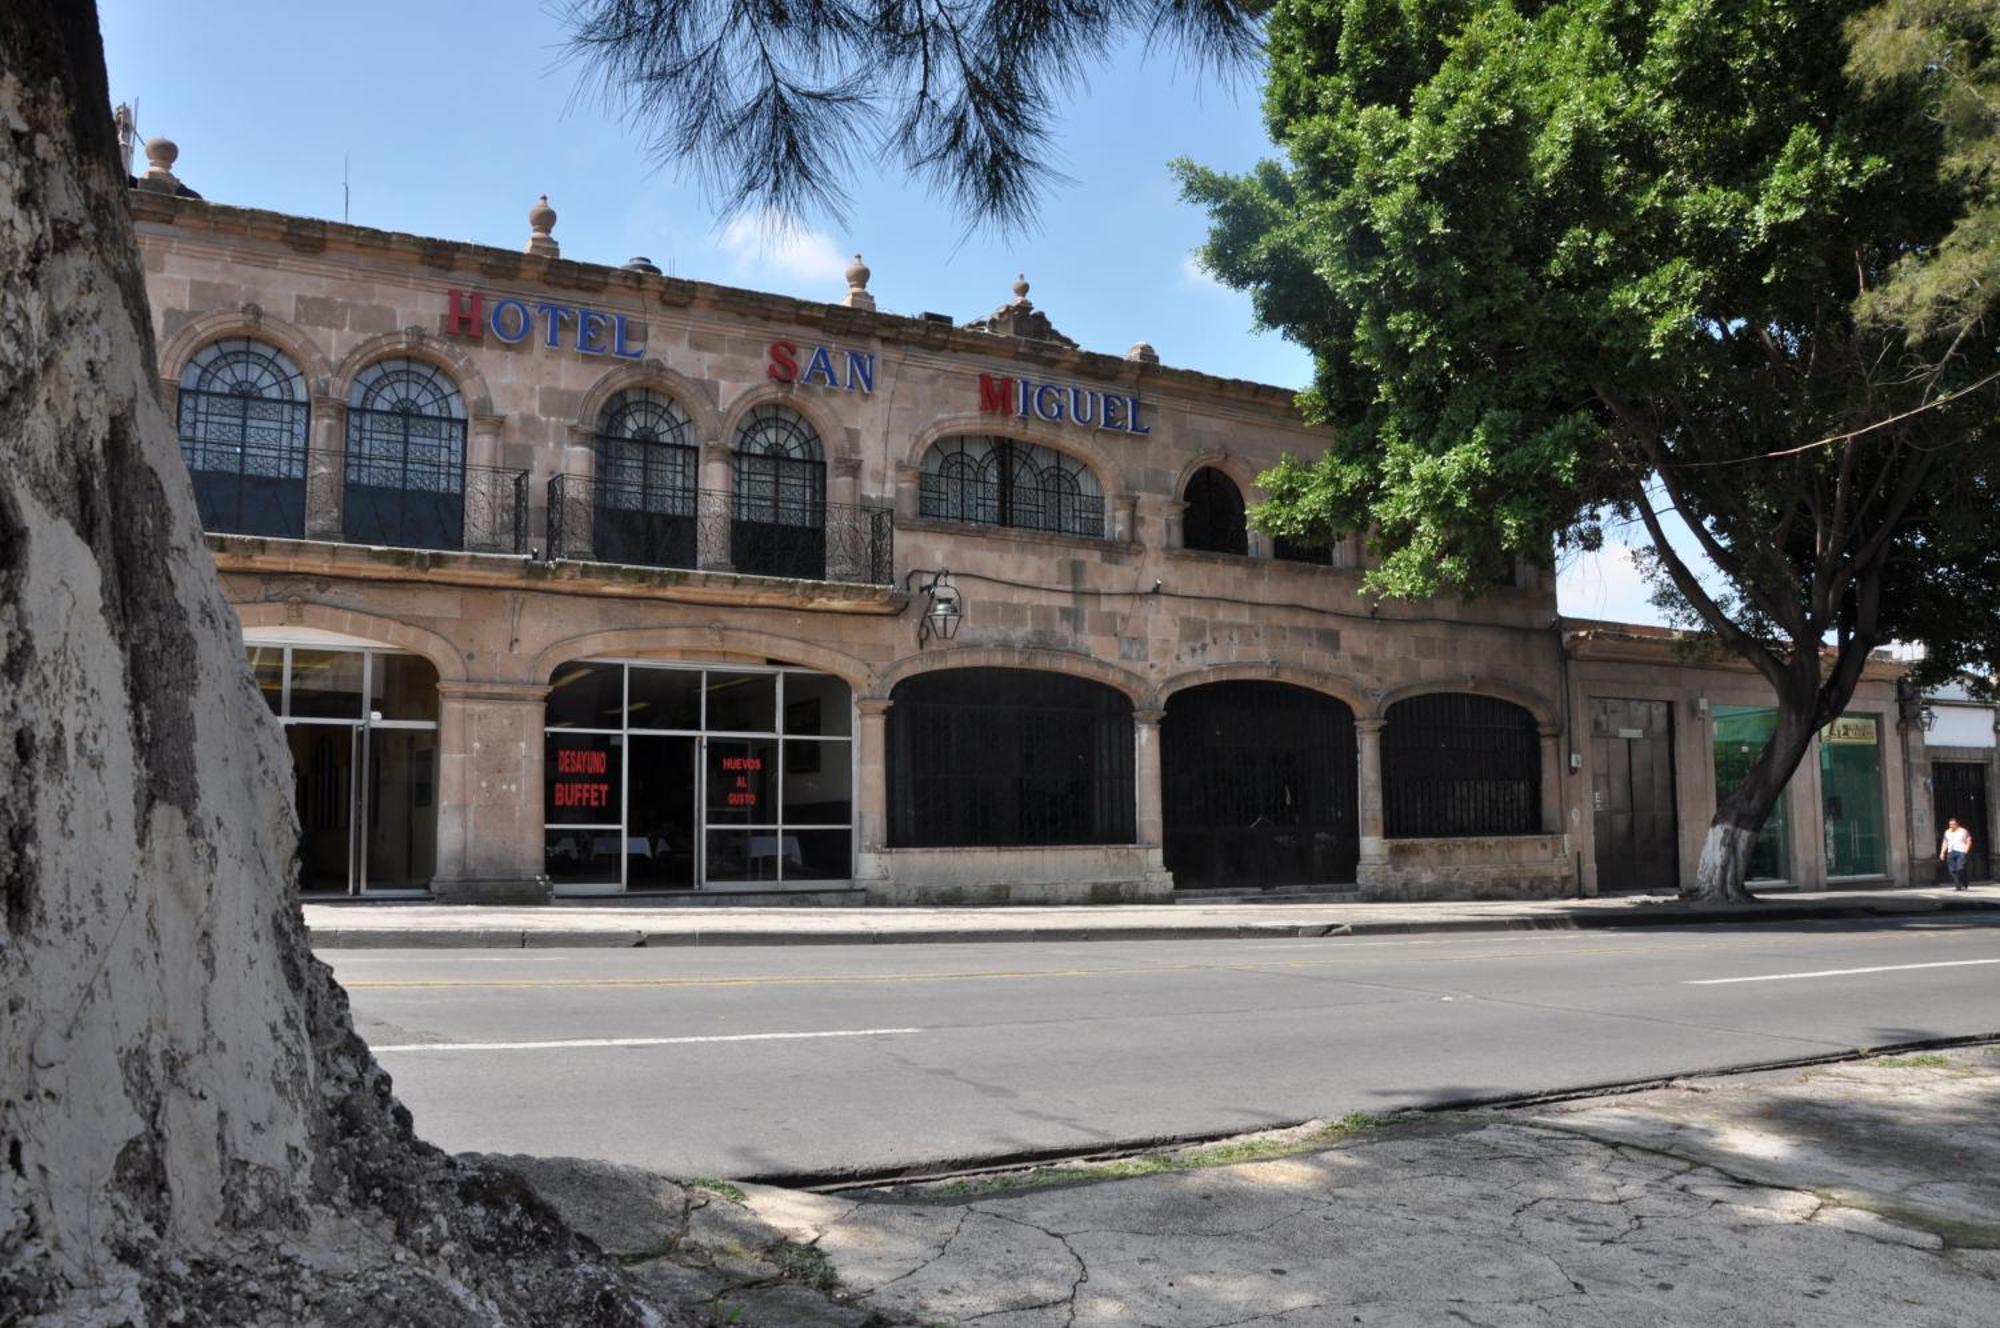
(1606, 584)
(1196, 277)
(762, 246)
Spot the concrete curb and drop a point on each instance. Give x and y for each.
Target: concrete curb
(514, 938)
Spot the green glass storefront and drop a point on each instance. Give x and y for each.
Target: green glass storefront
(1850, 781)
(1740, 733)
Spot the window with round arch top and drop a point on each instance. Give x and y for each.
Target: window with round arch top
(1005, 482)
(646, 455)
(1456, 764)
(779, 504)
(1214, 519)
(405, 460)
(242, 418)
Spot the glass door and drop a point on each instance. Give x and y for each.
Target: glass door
(661, 819)
(325, 758)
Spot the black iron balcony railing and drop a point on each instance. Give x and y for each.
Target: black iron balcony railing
(641, 525)
(407, 501)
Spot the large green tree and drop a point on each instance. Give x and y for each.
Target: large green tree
(1558, 260)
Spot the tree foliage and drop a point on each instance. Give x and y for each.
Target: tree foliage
(775, 104)
(1560, 259)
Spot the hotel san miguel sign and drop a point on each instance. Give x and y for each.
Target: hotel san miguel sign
(511, 321)
(1061, 403)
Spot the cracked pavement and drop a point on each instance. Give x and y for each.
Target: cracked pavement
(1866, 1192)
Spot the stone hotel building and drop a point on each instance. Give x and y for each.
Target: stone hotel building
(574, 578)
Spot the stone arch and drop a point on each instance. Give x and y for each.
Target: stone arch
(442, 654)
(635, 642)
(1077, 665)
(656, 375)
(417, 345)
(1075, 443)
(253, 323)
(1326, 684)
(832, 433)
(1546, 717)
(1240, 472)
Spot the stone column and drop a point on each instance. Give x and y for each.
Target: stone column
(1552, 775)
(1368, 800)
(499, 514)
(490, 793)
(1150, 821)
(846, 530)
(1156, 521)
(871, 802)
(909, 491)
(325, 479)
(713, 520)
(570, 521)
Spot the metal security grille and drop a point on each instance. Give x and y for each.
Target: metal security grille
(780, 497)
(1454, 765)
(242, 419)
(1001, 482)
(405, 458)
(1258, 786)
(1007, 757)
(1960, 791)
(648, 469)
(1214, 519)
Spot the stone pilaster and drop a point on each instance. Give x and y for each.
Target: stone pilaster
(490, 793)
(325, 479)
(1150, 820)
(909, 491)
(871, 803)
(1156, 521)
(846, 545)
(714, 518)
(1552, 778)
(1368, 799)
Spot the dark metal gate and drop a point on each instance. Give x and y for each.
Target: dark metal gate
(1632, 795)
(1959, 789)
(1258, 786)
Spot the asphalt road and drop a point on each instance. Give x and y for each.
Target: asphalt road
(817, 1059)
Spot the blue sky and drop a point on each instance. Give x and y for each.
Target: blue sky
(452, 118)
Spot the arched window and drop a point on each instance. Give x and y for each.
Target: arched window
(1214, 519)
(1455, 764)
(780, 499)
(647, 478)
(1003, 482)
(405, 457)
(243, 420)
(1004, 757)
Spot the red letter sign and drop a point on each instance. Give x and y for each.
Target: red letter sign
(466, 317)
(996, 395)
(784, 364)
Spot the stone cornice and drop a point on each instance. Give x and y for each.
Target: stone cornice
(311, 238)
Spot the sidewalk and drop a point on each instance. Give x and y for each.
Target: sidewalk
(1856, 1192)
(626, 923)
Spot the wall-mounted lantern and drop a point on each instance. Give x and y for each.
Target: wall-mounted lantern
(1911, 708)
(943, 609)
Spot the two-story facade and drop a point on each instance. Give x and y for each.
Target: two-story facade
(575, 577)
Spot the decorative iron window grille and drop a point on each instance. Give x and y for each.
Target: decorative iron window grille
(1214, 519)
(1008, 757)
(1285, 550)
(243, 418)
(1454, 765)
(648, 474)
(406, 474)
(780, 496)
(1258, 786)
(1004, 482)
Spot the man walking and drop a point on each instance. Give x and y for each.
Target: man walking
(1952, 853)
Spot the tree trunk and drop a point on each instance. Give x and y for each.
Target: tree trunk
(190, 1130)
(1741, 812)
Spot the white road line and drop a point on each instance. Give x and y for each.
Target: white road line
(570, 1043)
(1835, 972)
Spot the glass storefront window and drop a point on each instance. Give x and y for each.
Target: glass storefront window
(709, 792)
(326, 684)
(585, 778)
(1850, 777)
(742, 703)
(403, 687)
(267, 665)
(666, 699)
(587, 696)
(818, 705)
(1740, 734)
